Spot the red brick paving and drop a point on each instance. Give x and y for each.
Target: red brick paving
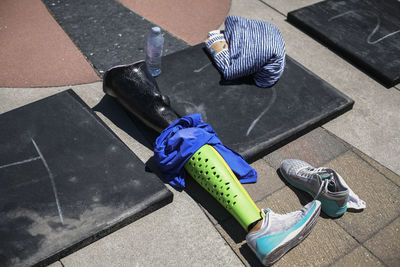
(187, 20)
(35, 51)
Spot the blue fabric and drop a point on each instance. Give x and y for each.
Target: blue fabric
(255, 48)
(177, 143)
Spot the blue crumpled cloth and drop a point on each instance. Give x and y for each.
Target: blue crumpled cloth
(177, 143)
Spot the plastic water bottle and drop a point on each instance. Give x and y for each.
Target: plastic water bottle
(154, 48)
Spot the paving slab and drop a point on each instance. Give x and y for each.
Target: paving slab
(267, 183)
(379, 167)
(189, 20)
(176, 235)
(56, 264)
(235, 236)
(381, 195)
(326, 242)
(373, 128)
(385, 244)
(372, 125)
(316, 147)
(359, 257)
(15, 97)
(37, 52)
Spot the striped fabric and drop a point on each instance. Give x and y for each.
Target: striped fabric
(255, 48)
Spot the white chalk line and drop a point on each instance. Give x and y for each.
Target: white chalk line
(378, 25)
(271, 102)
(19, 162)
(53, 184)
(202, 68)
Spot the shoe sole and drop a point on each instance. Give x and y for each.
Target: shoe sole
(328, 206)
(283, 248)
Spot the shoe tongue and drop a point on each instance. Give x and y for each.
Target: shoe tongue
(277, 223)
(332, 186)
(325, 175)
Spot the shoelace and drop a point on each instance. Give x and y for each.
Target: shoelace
(326, 178)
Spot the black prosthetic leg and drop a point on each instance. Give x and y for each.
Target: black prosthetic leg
(137, 91)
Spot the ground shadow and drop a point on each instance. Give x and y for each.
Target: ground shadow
(248, 80)
(111, 109)
(304, 197)
(250, 256)
(151, 166)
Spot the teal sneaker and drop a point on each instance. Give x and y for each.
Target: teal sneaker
(323, 184)
(280, 233)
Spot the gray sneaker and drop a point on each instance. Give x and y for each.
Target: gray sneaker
(281, 232)
(323, 184)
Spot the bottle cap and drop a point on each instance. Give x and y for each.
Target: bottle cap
(156, 29)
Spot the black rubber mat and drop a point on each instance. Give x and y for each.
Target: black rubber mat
(366, 32)
(249, 119)
(106, 32)
(67, 180)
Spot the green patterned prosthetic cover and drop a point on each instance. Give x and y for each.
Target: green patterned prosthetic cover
(212, 172)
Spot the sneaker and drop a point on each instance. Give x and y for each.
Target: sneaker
(280, 233)
(321, 183)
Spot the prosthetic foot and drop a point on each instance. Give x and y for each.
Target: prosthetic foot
(279, 233)
(211, 171)
(134, 87)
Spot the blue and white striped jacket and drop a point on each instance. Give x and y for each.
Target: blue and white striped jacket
(255, 48)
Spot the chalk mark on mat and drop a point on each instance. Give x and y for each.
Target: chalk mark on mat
(19, 162)
(51, 176)
(202, 68)
(271, 102)
(378, 25)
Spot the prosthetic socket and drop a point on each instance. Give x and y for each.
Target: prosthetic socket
(212, 172)
(137, 91)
